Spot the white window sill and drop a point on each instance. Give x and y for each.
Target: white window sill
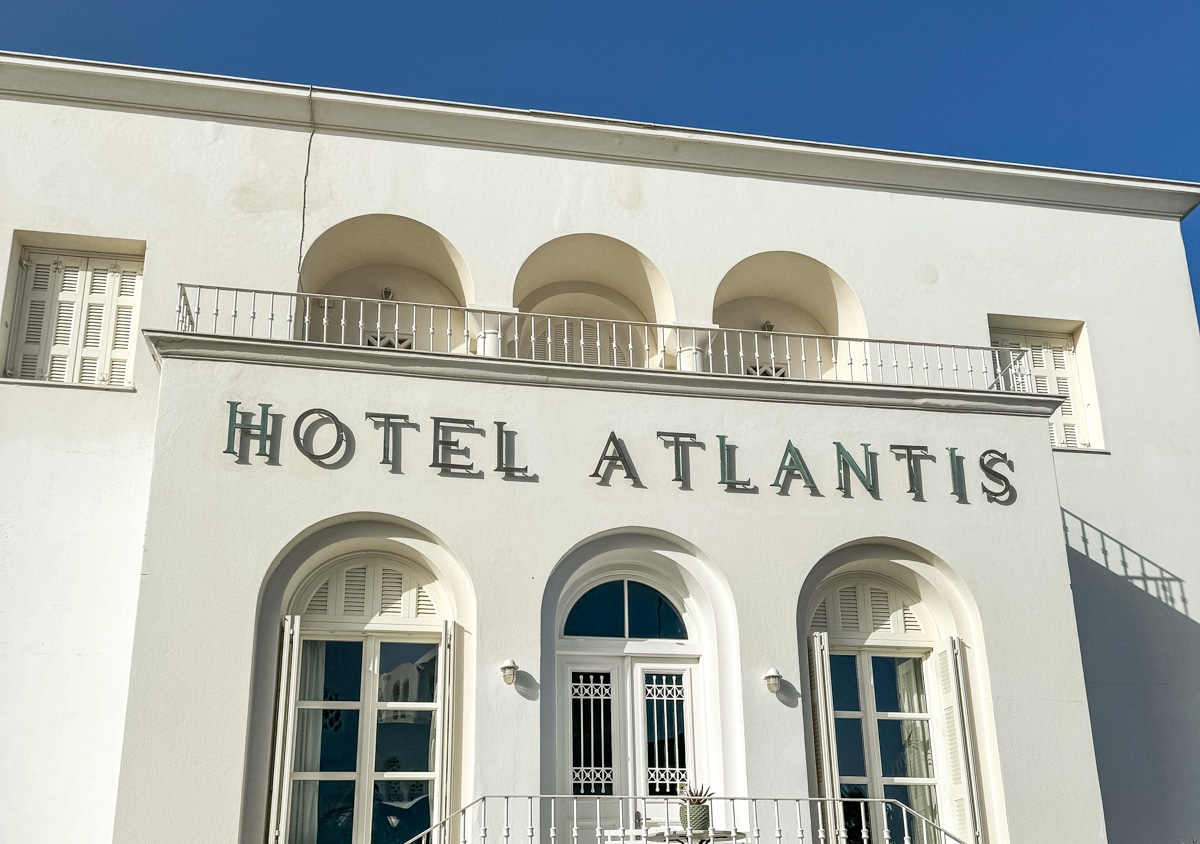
(1066, 450)
(31, 382)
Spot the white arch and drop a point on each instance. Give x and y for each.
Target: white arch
(327, 543)
(362, 256)
(684, 575)
(796, 293)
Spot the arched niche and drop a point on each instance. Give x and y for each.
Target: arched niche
(361, 572)
(796, 294)
(365, 256)
(687, 581)
(592, 275)
(601, 290)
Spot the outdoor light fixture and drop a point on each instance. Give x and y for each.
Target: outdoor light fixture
(773, 678)
(768, 326)
(387, 293)
(508, 670)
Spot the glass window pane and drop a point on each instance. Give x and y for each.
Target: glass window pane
(321, 812)
(330, 670)
(326, 740)
(599, 612)
(399, 810)
(404, 742)
(899, 684)
(904, 748)
(408, 672)
(651, 615)
(851, 759)
(922, 800)
(852, 814)
(843, 676)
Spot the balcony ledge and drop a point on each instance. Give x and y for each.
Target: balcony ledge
(203, 347)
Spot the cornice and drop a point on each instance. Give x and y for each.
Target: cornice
(177, 345)
(193, 95)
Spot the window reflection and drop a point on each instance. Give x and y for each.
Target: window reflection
(407, 672)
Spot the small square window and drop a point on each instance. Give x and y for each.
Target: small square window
(1050, 368)
(76, 318)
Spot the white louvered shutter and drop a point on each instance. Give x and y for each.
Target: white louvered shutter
(441, 806)
(953, 714)
(96, 326)
(35, 317)
(65, 333)
(285, 726)
(822, 714)
(1053, 370)
(126, 287)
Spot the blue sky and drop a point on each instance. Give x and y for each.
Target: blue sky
(1096, 85)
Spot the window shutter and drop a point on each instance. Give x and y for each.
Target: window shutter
(1053, 371)
(441, 806)
(65, 333)
(825, 751)
(36, 317)
(961, 795)
(285, 726)
(121, 336)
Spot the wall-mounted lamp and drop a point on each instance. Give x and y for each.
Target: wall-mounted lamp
(508, 670)
(387, 293)
(768, 326)
(773, 679)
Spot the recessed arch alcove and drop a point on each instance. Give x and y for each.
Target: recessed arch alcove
(893, 648)
(602, 285)
(363, 256)
(797, 294)
(366, 580)
(700, 652)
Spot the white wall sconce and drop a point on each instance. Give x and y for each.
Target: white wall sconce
(508, 670)
(773, 679)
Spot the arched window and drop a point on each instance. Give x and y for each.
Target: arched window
(628, 716)
(360, 756)
(889, 709)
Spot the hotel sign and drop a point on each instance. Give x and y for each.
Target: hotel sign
(452, 454)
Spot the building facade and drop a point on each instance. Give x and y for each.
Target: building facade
(374, 464)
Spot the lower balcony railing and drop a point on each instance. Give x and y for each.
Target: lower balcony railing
(580, 341)
(551, 819)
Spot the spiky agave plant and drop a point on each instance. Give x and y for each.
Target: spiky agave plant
(695, 812)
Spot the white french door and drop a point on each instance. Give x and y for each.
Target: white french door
(627, 726)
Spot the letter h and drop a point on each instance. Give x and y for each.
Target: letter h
(259, 431)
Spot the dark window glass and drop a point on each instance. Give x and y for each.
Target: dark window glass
(843, 676)
(899, 684)
(591, 733)
(330, 670)
(599, 612)
(852, 761)
(651, 615)
(400, 810)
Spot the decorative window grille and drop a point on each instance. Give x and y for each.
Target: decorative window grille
(591, 732)
(666, 733)
(76, 319)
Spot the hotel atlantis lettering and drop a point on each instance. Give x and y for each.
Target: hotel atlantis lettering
(456, 443)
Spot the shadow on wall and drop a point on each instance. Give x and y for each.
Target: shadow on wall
(1141, 664)
(1091, 542)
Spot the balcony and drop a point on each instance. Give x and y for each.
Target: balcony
(408, 327)
(588, 819)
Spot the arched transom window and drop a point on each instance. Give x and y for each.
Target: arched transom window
(360, 750)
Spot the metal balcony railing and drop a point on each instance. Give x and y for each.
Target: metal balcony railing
(561, 819)
(582, 341)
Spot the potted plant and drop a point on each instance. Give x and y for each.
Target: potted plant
(694, 813)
